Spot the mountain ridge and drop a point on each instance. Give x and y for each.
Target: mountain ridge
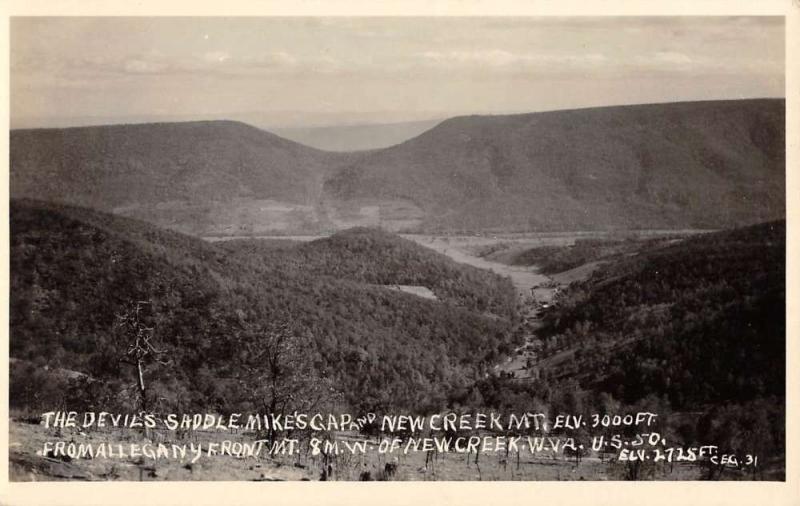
(706, 164)
(580, 165)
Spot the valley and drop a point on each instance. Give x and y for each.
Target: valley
(535, 359)
(466, 249)
(606, 260)
(495, 246)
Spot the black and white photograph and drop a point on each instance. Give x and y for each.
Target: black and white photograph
(397, 248)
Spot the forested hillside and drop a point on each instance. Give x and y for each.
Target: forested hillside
(376, 257)
(556, 259)
(205, 177)
(216, 317)
(105, 167)
(694, 330)
(701, 321)
(680, 165)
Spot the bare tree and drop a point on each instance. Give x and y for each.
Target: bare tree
(278, 373)
(138, 339)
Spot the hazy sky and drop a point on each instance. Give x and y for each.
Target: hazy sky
(306, 71)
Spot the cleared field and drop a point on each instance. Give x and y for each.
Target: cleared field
(419, 291)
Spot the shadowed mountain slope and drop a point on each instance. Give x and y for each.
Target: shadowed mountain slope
(681, 165)
(693, 165)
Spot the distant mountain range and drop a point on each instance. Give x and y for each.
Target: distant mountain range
(356, 137)
(682, 165)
